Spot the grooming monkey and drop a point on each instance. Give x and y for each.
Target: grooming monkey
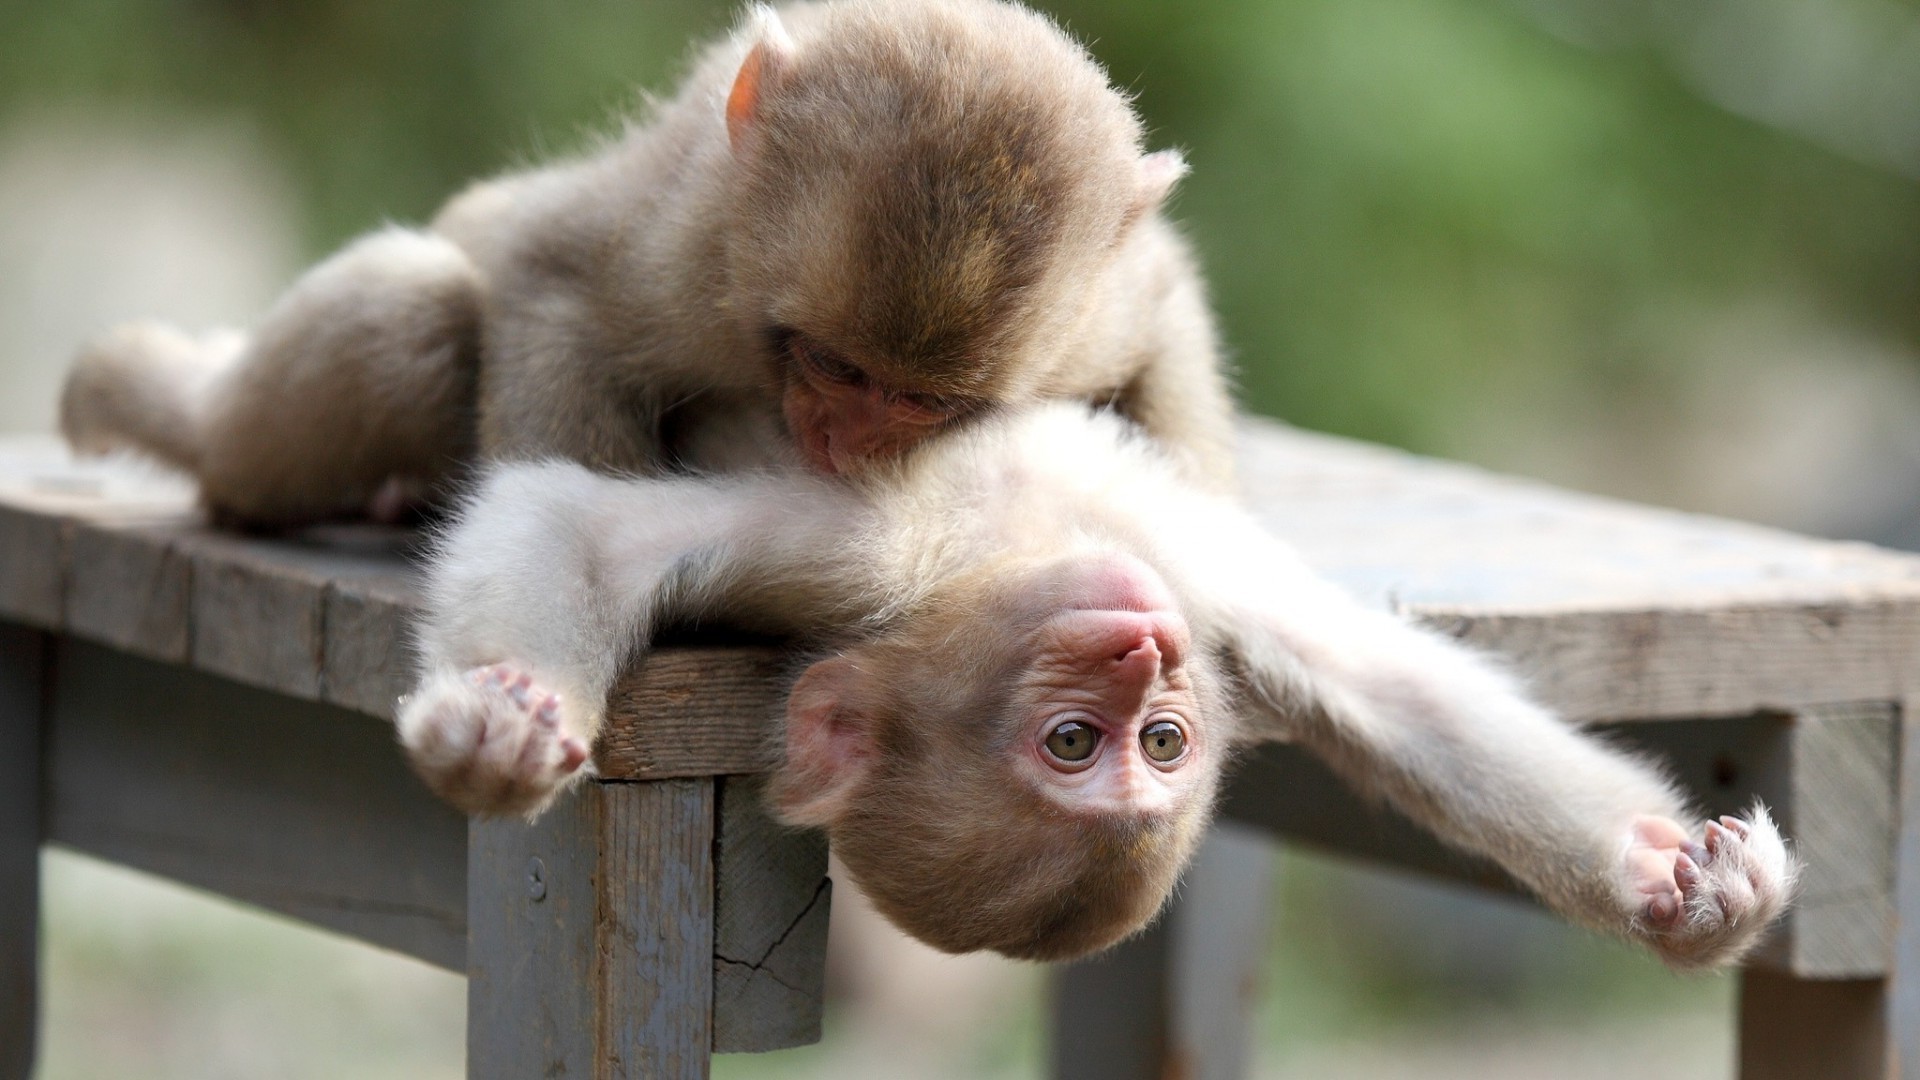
(856, 223)
(1038, 645)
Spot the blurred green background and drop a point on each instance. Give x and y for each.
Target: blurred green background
(1660, 248)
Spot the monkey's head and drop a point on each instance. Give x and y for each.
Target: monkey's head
(923, 196)
(1024, 768)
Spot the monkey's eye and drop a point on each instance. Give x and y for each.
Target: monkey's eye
(824, 363)
(931, 404)
(1072, 742)
(1164, 741)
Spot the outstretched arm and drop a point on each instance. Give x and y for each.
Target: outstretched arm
(1452, 742)
(551, 581)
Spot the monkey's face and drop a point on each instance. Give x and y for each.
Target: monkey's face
(1037, 793)
(917, 207)
(842, 416)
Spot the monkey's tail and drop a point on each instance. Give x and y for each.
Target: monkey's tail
(144, 387)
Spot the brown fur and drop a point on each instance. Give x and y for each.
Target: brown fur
(947, 192)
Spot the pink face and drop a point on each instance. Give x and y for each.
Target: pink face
(1112, 721)
(842, 417)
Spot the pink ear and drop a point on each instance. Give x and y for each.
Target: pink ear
(1159, 171)
(829, 743)
(772, 51)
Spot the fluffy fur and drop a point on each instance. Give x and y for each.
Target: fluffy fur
(946, 194)
(920, 580)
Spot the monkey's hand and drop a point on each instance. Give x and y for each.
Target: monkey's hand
(1702, 904)
(491, 741)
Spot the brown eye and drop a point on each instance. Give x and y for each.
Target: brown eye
(1163, 741)
(825, 363)
(1072, 742)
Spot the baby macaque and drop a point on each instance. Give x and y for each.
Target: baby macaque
(1039, 644)
(856, 223)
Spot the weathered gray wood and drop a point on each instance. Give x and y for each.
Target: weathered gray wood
(133, 592)
(1681, 661)
(1841, 811)
(591, 947)
(22, 659)
(1903, 991)
(1802, 1029)
(1177, 1000)
(298, 807)
(33, 566)
(368, 661)
(772, 898)
(1615, 612)
(695, 712)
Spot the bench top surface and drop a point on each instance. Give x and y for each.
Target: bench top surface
(1613, 610)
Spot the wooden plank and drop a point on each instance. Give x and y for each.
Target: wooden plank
(22, 655)
(33, 567)
(1418, 533)
(591, 949)
(1674, 662)
(1842, 814)
(255, 619)
(368, 656)
(772, 898)
(298, 807)
(1187, 986)
(132, 591)
(1796, 1029)
(695, 712)
(1903, 991)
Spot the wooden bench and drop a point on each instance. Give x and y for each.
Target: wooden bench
(214, 708)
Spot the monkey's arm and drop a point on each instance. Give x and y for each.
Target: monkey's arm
(1438, 732)
(551, 582)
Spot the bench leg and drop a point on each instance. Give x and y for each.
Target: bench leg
(21, 655)
(590, 936)
(1791, 1028)
(1177, 1000)
(1849, 1029)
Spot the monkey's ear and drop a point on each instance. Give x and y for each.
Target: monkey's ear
(830, 743)
(772, 52)
(1159, 171)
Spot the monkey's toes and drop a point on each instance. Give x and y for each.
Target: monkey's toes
(1707, 903)
(491, 741)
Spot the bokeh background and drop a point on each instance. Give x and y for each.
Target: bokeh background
(1665, 249)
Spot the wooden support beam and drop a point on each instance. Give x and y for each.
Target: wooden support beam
(22, 658)
(1802, 1029)
(591, 944)
(771, 902)
(298, 807)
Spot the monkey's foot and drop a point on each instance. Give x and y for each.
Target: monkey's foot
(490, 741)
(1700, 904)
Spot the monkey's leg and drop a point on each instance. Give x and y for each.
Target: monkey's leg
(361, 378)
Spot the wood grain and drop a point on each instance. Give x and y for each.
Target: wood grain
(695, 712)
(591, 951)
(771, 904)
